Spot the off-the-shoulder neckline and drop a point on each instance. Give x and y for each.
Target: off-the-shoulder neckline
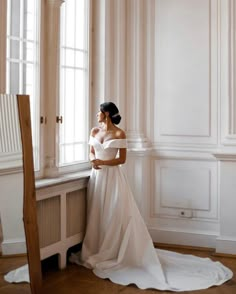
(106, 141)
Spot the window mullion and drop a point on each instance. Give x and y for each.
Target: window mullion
(51, 83)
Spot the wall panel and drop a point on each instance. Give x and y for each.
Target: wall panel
(185, 189)
(186, 71)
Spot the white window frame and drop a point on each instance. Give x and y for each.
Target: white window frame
(21, 61)
(81, 165)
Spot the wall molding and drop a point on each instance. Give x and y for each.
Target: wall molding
(169, 197)
(225, 156)
(208, 132)
(183, 238)
(3, 34)
(226, 245)
(13, 167)
(228, 73)
(13, 246)
(232, 67)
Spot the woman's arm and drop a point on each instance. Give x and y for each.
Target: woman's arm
(92, 156)
(112, 162)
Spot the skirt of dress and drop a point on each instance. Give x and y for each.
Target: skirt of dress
(117, 244)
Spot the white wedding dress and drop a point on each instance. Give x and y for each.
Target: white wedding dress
(117, 244)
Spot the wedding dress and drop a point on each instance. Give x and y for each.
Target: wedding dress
(117, 244)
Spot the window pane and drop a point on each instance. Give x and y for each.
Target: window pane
(14, 79)
(15, 49)
(29, 48)
(69, 57)
(23, 58)
(81, 24)
(80, 105)
(29, 20)
(79, 59)
(70, 23)
(14, 8)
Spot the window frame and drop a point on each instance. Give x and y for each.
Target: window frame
(22, 61)
(44, 136)
(84, 164)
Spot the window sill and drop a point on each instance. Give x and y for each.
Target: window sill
(47, 182)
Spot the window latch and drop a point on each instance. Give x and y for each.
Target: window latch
(43, 120)
(59, 119)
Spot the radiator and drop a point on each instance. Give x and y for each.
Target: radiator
(61, 213)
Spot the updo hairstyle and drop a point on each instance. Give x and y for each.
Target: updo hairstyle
(113, 111)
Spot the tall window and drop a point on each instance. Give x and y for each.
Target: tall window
(23, 58)
(74, 76)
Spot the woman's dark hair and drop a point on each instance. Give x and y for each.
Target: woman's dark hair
(113, 111)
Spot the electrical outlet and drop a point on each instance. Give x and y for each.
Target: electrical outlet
(188, 213)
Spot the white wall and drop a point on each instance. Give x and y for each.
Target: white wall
(194, 118)
(175, 87)
(187, 93)
(11, 209)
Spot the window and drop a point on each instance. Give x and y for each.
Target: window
(22, 75)
(74, 78)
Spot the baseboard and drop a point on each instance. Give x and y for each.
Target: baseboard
(184, 247)
(226, 245)
(13, 246)
(183, 238)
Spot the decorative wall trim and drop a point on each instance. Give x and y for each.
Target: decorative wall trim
(139, 152)
(183, 238)
(13, 246)
(150, 68)
(11, 164)
(228, 73)
(3, 34)
(208, 134)
(224, 156)
(179, 153)
(232, 67)
(137, 66)
(187, 187)
(226, 245)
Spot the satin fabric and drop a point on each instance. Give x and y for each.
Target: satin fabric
(117, 244)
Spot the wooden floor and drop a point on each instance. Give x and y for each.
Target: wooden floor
(1, 237)
(76, 279)
(7, 264)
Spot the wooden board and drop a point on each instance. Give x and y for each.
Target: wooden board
(29, 203)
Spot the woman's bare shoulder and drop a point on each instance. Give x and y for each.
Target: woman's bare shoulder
(120, 134)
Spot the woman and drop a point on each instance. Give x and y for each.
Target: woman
(117, 244)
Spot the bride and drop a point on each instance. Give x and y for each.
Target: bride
(117, 244)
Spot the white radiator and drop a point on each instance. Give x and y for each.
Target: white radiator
(61, 212)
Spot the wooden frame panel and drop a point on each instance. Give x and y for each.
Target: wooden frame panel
(29, 204)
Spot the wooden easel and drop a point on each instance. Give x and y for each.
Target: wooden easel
(29, 203)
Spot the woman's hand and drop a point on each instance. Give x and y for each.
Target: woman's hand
(96, 163)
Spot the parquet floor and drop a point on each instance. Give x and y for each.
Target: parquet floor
(76, 279)
(7, 264)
